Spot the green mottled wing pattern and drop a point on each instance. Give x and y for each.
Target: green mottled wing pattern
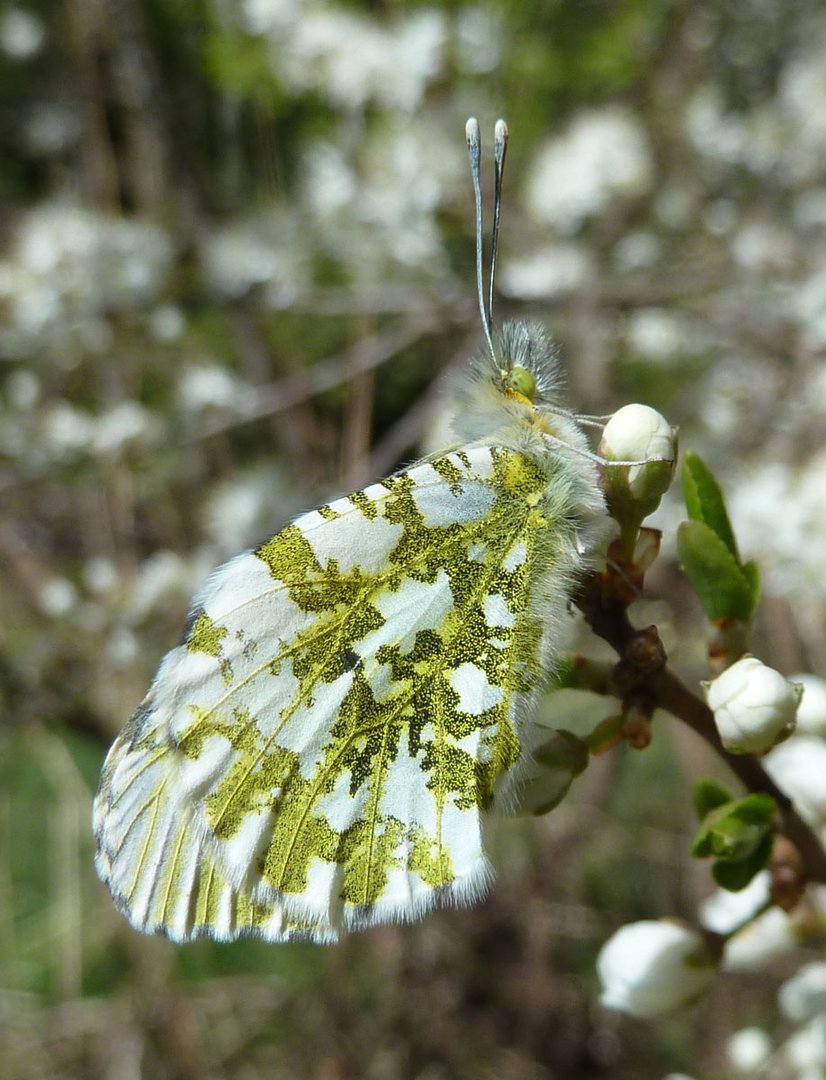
(317, 755)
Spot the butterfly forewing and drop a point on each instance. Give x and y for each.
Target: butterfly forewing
(318, 753)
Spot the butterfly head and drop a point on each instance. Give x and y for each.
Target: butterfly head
(518, 382)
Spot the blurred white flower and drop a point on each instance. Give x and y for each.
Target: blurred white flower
(383, 212)
(802, 97)
(803, 996)
(353, 59)
(261, 251)
(253, 504)
(266, 16)
(212, 386)
(22, 388)
(603, 155)
(68, 266)
(798, 766)
(811, 712)
(163, 574)
(752, 139)
(551, 271)
(637, 251)
(479, 40)
(753, 705)
(779, 516)
(21, 33)
(52, 127)
(57, 597)
(806, 305)
(122, 424)
(100, 574)
(758, 946)
(763, 247)
(649, 967)
(805, 1050)
(167, 322)
(121, 647)
(65, 428)
(748, 1050)
(724, 911)
(657, 334)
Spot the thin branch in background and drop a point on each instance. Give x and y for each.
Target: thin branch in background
(362, 356)
(84, 18)
(357, 420)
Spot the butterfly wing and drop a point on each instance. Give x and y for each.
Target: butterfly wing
(317, 755)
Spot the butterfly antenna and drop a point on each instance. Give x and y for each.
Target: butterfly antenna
(474, 149)
(500, 148)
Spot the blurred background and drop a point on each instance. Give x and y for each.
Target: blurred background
(236, 260)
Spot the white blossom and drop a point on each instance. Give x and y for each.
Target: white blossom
(811, 712)
(57, 597)
(798, 766)
(803, 996)
(657, 334)
(724, 910)
(748, 1050)
(649, 967)
(549, 271)
(21, 33)
(758, 946)
(602, 155)
(212, 386)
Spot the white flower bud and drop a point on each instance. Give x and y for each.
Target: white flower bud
(748, 1050)
(724, 911)
(758, 946)
(805, 1051)
(798, 766)
(811, 715)
(753, 705)
(804, 995)
(649, 967)
(640, 433)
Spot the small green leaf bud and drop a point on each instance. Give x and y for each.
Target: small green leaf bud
(556, 764)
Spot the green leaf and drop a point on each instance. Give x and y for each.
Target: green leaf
(564, 752)
(756, 808)
(704, 501)
(708, 795)
(735, 876)
(724, 589)
(751, 572)
(734, 831)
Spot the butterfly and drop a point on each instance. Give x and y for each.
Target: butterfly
(353, 699)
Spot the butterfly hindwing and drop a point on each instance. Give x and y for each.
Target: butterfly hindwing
(319, 752)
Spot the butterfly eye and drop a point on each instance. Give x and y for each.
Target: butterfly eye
(521, 381)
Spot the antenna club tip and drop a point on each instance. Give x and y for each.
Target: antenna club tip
(472, 129)
(501, 129)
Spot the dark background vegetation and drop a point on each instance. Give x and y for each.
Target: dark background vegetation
(237, 257)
